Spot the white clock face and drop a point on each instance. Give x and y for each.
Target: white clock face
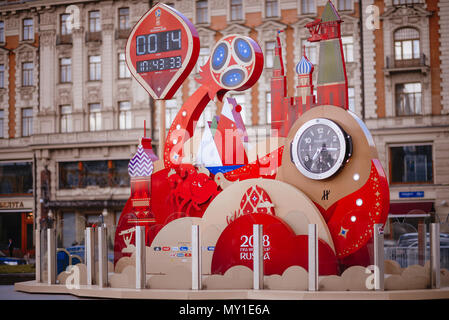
(319, 148)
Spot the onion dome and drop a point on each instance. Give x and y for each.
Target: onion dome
(140, 165)
(304, 66)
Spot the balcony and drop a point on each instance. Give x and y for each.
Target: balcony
(93, 36)
(405, 65)
(122, 33)
(63, 39)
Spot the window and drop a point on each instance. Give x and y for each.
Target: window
(411, 164)
(201, 11)
(202, 58)
(28, 32)
(2, 31)
(271, 8)
(120, 175)
(124, 115)
(103, 173)
(311, 51)
(27, 74)
(95, 68)
(69, 177)
(408, 99)
(123, 71)
(351, 99)
(406, 44)
(268, 106)
(344, 5)
(398, 2)
(123, 18)
(94, 21)
(308, 6)
(94, 117)
(348, 48)
(171, 109)
(66, 28)
(2, 75)
(66, 118)
(2, 119)
(16, 178)
(65, 70)
(269, 53)
(236, 10)
(27, 122)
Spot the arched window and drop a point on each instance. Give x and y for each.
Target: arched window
(406, 44)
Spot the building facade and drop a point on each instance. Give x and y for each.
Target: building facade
(71, 115)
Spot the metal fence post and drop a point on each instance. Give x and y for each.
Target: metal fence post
(379, 257)
(435, 255)
(196, 258)
(51, 255)
(140, 258)
(313, 258)
(102, 257)
(258, 256)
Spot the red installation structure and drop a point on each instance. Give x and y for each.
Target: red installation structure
(326, 159)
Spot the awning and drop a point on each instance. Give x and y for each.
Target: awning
(411, 209)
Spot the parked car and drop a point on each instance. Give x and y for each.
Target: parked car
(11, 261)
(410, 240)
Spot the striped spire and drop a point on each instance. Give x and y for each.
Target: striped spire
(140, 165)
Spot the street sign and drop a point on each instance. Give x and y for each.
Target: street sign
(411, 194)
(162, 50)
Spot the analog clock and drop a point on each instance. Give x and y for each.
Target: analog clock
(320, 148)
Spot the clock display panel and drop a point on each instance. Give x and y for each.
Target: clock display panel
(159, 64)
(319, 148)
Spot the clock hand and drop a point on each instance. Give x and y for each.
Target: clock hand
(316, 154)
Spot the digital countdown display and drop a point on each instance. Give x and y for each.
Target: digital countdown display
(158, 42)
(162, 50)
(159, 64)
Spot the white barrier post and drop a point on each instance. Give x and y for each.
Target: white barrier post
(38, 254)
(90, 255)
(313, 258)
(51, 255)
(435, 256)
(258, 256)
(140, 258)
(379, 257)
(102, 257)
(196, 258)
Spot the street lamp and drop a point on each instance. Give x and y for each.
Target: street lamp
(103, 216)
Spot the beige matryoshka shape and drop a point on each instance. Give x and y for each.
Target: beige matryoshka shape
(351, 177)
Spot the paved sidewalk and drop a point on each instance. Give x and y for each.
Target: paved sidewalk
(8, 293)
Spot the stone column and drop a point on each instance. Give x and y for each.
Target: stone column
(78, 69)
(108, 57)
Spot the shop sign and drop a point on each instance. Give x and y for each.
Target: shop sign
(11, 205)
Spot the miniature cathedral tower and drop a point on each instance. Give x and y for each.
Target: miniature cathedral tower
(332, 84)
(304, 70)
(278, 93)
